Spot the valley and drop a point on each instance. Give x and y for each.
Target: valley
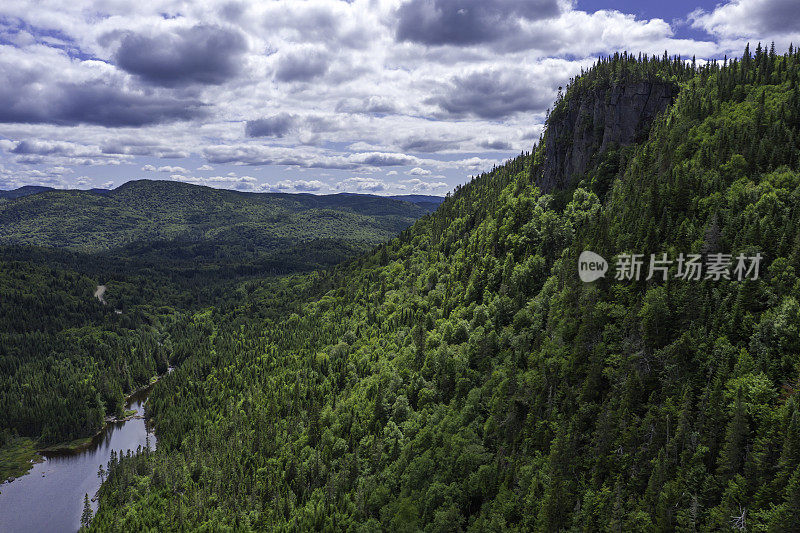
(363, 364)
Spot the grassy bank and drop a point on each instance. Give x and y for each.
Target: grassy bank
(17, 457)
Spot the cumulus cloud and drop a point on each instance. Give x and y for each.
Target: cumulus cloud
(383, 159)
(359, 184)
(495, 144)
(428, 145)
(302, 64)
(241, 183)
(47, 88)
(374, 105)
(274, 126)
(417, 171)
(282, 124)
(299, 185)
(351, 87)
(62, 153)
(202, 54)
(418, 185)
(133, 146)
(11, 179)
(750, 18)
(173, 169)
(69, 104)
(169, 169)
(476, 164)
(467, 22)
(39, 147)
(491, 94)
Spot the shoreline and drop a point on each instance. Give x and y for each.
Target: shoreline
(31, 453)
(77, 445)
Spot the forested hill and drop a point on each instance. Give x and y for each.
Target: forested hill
(20, 192)
(146, 211)
(463, 378)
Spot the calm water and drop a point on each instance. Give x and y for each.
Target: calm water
(50, 497)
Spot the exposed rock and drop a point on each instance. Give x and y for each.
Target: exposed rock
(585, 125)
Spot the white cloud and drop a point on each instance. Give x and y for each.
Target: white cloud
(418, 185)
(168, 169)
(242, 183)
(299, 185)
(360, 94)
(416, 171)
(173, 170)
(737, 22)
(359, 184)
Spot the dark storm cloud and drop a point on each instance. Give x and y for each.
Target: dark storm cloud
(416, 144)
(466, 22)
(30, 98)
(202, 54)
(301, 65)
(491, 95)
(274, 126)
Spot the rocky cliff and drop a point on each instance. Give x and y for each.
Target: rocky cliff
(584, 125)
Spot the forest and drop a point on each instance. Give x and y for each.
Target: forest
(162, 249)
(462, 378)
(458, 376)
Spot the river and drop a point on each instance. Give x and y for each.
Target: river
(49, 498)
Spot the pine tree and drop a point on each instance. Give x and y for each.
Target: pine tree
(787, 519)
(732, 459)
(86, 516)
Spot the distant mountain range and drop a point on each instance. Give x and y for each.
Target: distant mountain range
(420, 199)
(26, 190)
(168, 211)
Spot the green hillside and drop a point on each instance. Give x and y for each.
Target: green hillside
(161, 249)
(146, 211)
(463, 378)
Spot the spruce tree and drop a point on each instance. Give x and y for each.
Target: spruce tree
(86, 516)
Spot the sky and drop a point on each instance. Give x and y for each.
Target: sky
(320, 96)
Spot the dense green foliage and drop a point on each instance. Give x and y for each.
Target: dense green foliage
(461, 377)
(152, 211)
(66, 359)
(161, 248)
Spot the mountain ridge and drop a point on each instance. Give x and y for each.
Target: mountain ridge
(143, 210)
(462, 377)
(27, 190)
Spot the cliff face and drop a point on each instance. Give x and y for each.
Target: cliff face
(588, 124)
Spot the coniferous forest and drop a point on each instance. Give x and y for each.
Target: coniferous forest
(461, 376)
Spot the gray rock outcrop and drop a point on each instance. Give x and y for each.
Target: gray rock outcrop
(585, 125)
